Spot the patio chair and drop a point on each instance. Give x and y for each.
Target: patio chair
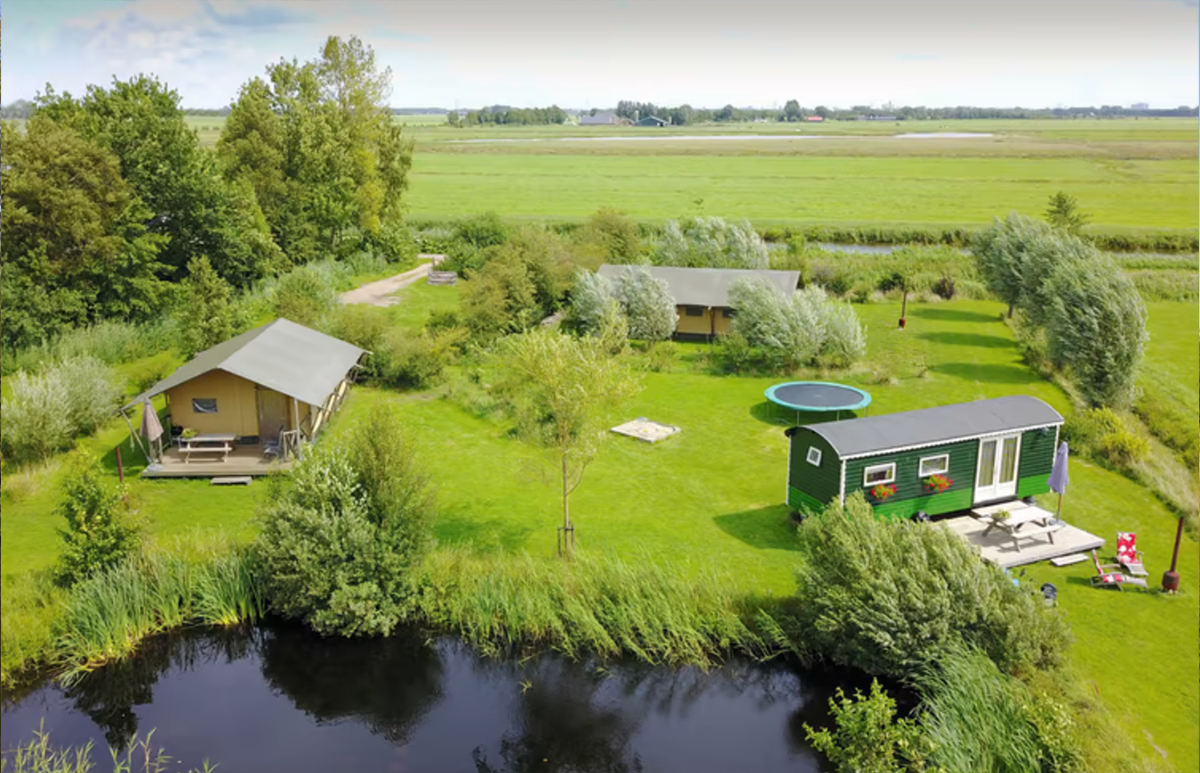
(274, 446)
(1116, 580)
(1128, 556)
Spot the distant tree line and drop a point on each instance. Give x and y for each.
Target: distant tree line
(503, 115)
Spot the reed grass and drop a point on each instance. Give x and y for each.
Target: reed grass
(107, 616)
(590, 604)
(38, 756)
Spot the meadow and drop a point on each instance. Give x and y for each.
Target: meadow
(1130, 176)
(711, 497)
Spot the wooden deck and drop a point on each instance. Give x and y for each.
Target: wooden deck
(243, 460)
(998, 546)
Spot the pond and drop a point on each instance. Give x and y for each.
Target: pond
(282, 698)
(721, 137)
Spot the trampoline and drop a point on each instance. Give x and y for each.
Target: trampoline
(817, 396)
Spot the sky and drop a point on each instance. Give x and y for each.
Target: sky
(583, 54)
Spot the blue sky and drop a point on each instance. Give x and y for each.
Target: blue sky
(590, 54)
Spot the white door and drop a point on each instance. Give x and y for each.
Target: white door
(996, 477)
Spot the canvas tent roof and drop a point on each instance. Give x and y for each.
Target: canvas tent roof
(707, 286)
(933, 426)
(281, 355)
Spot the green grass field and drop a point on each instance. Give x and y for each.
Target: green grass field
(713, 494)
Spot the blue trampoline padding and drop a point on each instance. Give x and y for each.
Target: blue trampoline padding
(817, 396)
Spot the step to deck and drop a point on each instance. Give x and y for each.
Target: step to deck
(232, 480)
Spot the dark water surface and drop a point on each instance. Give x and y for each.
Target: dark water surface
(283, 699)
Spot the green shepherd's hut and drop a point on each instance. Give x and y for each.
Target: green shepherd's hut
(935, 460)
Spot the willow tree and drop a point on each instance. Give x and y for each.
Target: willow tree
(560, 390)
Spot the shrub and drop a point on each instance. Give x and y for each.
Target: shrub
(303, 296)
(500, 298)
(845, 337)
(614, 234)
(868, 738)
(647, 304)
(342, 544)
(1171, 423)
(147, 372)
(45, 412)
(590, 301)
(100, 532)
(796, 330)
(888, 597)
(409, 360)
(442, 320)
(362, 325)
(944, 287)
(710, 242)
(733, 353)
(660, 356)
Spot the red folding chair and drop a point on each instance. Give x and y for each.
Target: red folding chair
(1128, 556)
(1105, 579)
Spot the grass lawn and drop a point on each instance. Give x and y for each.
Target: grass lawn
(1172, 368)
(714, 493)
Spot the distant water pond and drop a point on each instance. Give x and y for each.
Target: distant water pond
(280, 698)
(719, 137)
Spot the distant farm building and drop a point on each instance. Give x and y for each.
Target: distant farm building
(604, 118)
(702, 294)
(815, 118)
(651, 120)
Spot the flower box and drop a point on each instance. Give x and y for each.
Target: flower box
(936, 484)
(883, 492)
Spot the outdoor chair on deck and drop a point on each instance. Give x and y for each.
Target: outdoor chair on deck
(1128, 556)
(273, 447)
(1105, 579)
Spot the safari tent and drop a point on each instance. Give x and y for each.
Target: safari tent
(259, 395)
(990, 451)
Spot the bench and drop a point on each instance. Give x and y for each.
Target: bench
(223, 450)
(1048, 530)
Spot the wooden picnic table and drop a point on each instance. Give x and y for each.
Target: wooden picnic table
(207, 443)
(1020, 514)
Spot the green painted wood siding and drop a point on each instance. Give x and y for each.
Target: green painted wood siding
(1037, 459)
(806, 483)
(910, 486)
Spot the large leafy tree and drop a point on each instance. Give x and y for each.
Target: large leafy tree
(1016, 257)
(75, 247)
(647, 303)
(140, 121)
(317, 143)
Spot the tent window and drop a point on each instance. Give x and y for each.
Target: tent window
(693, 311)
(728, 313)
(935, 465)
(880, 473)
(814, 456)
(204, 405)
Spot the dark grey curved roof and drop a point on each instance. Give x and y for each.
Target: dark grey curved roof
(289, 358)
(933, 426)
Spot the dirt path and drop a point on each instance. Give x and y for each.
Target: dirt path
(381, 293)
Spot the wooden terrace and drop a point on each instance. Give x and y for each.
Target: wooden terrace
(242, 460)
(999, 547)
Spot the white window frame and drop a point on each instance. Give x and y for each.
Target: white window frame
(945, 468)
(813, 451)
(196, 402)
(891, 471)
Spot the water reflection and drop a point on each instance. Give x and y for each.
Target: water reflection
(389, 684)
(282, 698)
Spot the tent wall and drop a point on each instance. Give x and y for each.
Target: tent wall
(237, 405)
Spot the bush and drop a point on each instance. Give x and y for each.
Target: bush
(44, 413)
(798, 329)
(647, 304)
(660, 356)
(615, 236)
(358, 324)
(889, 597)
(710, 242)
(147, 372)
(591, 298)
(100, 531)
(868, 738)
(304, 296)
(342, 544)
(1102, 434)
(408, 360)
(734, 354)
(944, 287)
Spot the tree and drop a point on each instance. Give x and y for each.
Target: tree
(75, 247)
(615, 234)
(647, 304)
(559, 390)
(791, 110)
(319, 145)
(1016, 256)
(342, 545)
(205, 313)
(140, 121)
(1064, 213)
(903, 279)
(1096, 327)
(99, 532)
